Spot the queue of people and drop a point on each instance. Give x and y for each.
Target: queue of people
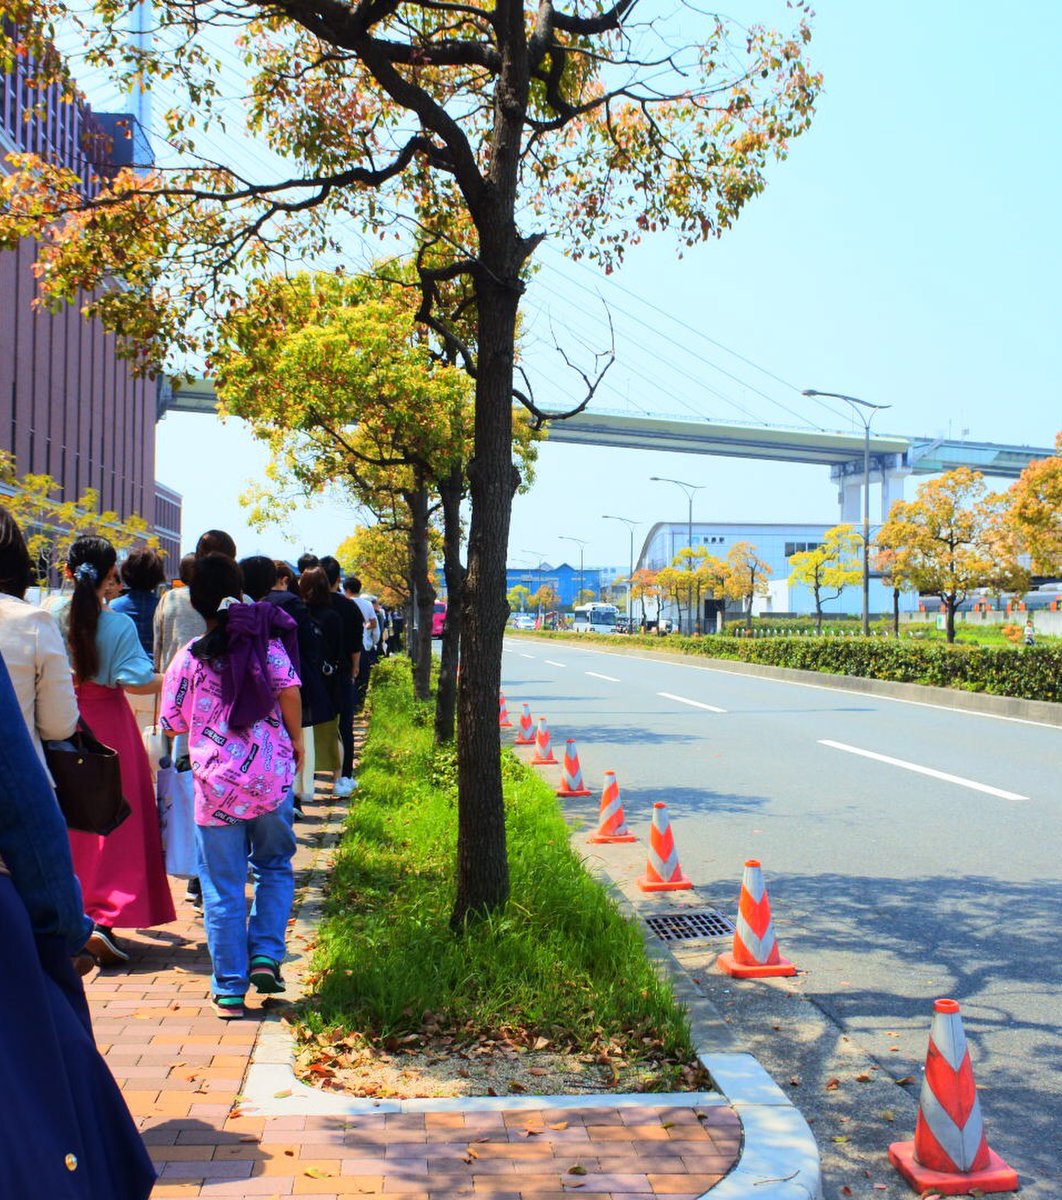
(254, 672)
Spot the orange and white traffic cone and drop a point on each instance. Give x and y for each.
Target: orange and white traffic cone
(755, 953)
(611, 826)
(572, 774)
(503, 713)
(662, 870)
(949, 1153)
(526, 736)
(543, 755)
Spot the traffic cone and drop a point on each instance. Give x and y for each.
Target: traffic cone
(543, 755)
(662, 870)
(755, 953)
(503, 713)
(526, 736)
(611, 827)
(949, 1153)
(572, 774)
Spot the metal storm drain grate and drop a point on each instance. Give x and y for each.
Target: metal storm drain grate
(681, 927)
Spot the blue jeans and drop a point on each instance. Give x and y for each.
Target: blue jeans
(234, 938)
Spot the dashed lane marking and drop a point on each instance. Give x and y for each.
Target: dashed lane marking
(607, 678)
(930, 771)
(691, 703)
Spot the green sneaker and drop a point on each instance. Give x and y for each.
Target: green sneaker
(265, 975)
(228, 1008)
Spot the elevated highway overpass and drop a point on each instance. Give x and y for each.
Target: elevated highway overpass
(892, 458)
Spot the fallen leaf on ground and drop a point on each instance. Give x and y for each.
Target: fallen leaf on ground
(317, 1173)
(833, 1084)
(559, 1125)
(577, 1169)
(282, 1094)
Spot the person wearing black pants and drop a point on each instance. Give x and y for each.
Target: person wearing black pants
(351, 620)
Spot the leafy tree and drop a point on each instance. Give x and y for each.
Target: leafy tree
(644, 587)
(545, 598)
(585, 596)
(518, 596)
(888, 564)
(746, 577)
(953, 537)
(481, 129)
(331, 374)
(51, 524)
(379, 555)
(833, 564)
(1035, 512)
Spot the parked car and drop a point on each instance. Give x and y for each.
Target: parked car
(522, 620)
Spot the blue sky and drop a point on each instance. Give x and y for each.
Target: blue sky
(907, 252)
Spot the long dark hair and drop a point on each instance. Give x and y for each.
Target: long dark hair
(90, 561)
(216, 577)
(16, 568)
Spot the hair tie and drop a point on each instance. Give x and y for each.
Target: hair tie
(87, 573)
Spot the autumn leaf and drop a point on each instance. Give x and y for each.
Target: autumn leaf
(577, 1169)
(833, 1084)
(559, 1125)
(317, 1173)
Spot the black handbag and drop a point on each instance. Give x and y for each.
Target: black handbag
(88, 782)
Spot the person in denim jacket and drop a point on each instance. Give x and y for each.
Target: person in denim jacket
(66, 1130)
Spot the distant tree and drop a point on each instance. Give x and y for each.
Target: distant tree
(545, 598)
(746, 577)
(952, 538)
(1035, 512)
(585, 596)
(831, 567)
(644, 587)
(518, 596)
(888, 564)
(51, 524)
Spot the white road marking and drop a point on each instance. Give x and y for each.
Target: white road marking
(523, 655)
(691, 703)
(555, 664)
(825, 687)
(909, 766)
(607, 678)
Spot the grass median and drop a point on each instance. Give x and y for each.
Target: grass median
(559, 978)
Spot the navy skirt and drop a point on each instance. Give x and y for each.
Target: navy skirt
(65, 1132)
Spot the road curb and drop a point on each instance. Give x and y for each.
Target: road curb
(779, 1154)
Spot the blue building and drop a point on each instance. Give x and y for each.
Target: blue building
(562, 578)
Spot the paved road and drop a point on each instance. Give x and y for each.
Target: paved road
(911, 852)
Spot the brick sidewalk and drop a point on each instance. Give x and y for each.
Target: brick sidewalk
(181, 1070)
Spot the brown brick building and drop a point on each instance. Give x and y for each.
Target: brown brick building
(69, 406)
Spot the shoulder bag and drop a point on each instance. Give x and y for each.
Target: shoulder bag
(88, 783)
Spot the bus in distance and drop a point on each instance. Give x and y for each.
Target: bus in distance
(594, 618)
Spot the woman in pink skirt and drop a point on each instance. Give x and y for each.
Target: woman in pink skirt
(123, 875)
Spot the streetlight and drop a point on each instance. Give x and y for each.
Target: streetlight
(689, 489)
(538, 557)
(865, 411)
(630, 529)
(580, 543)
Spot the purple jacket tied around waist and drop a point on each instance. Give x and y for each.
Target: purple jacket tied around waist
(245, 688)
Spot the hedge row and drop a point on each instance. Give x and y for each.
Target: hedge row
(1026, 673)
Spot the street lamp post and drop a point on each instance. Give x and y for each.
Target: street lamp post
(865, 411)
(537, 555)
(580, 543)
(689, 489)
(630, 529)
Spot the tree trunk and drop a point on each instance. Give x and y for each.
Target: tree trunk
(482, 863)
(895, 612)
(446, 694)
(423, 590)
(818, 612)
(951, 606)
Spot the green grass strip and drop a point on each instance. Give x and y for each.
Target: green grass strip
(560, 962)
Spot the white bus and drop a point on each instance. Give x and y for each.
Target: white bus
(595, 618)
